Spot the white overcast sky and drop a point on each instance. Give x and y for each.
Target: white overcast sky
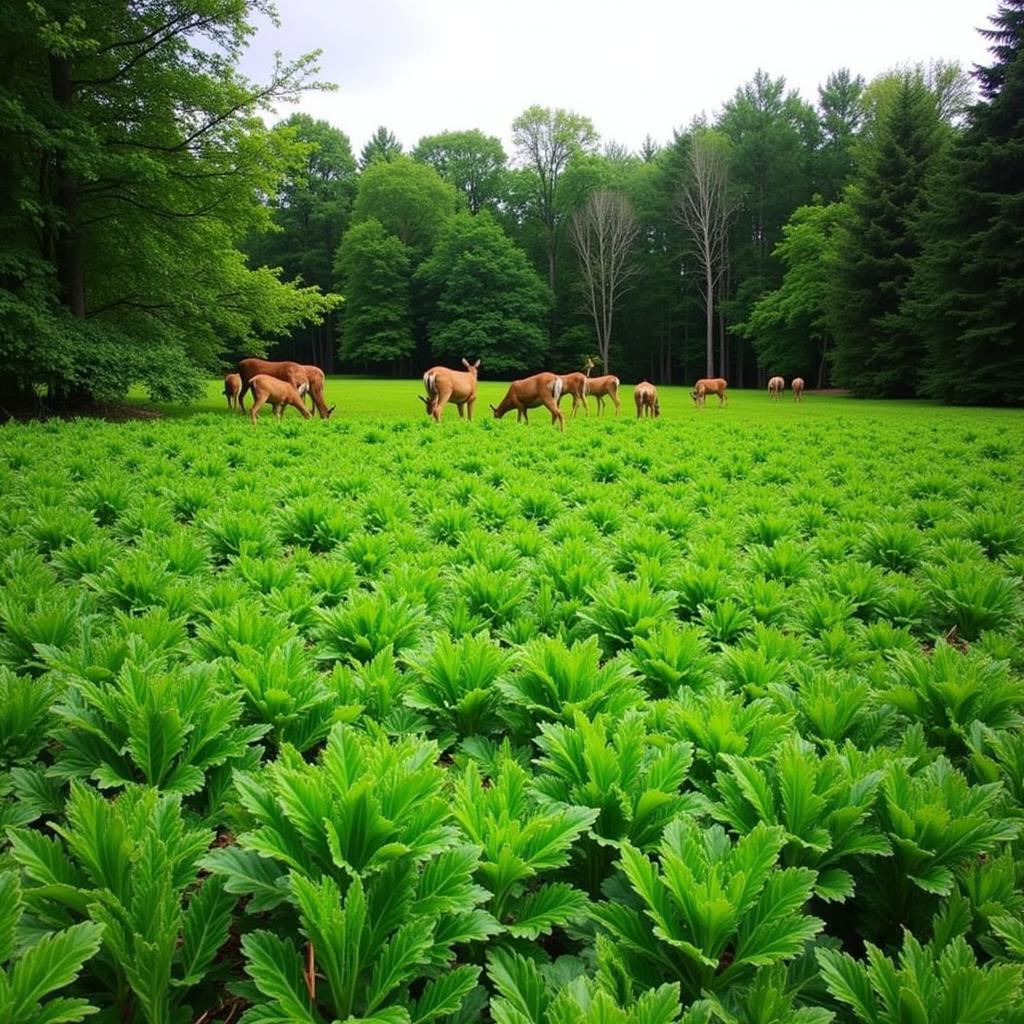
(634, 68)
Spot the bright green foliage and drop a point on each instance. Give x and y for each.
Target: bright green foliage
(457, 684)
(161, 727)
(471, 161)
(924, 984)
(613, 765)
(706, 895)
(622, 610)
(28, 975)
(369, 947)
(485, 300)
(131, 865)
(525, 994)
(670, 657)
(522, 839)
(367, 803)
(368, 625)
(934, 821)
(553, 682)
(824, 803)
(970, 598)
(952, 691)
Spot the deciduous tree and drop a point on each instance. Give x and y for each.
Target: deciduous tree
(471, 161)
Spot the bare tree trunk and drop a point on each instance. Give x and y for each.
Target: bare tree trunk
(603, 232)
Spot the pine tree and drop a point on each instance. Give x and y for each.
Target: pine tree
(876, 351)
(967, 294)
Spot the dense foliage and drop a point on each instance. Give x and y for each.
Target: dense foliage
(718, 717)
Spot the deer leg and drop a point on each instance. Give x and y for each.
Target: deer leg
(614, 396)
(470, 402)
(256, 406)
(556, 413)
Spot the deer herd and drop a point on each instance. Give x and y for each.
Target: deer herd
(287, 383)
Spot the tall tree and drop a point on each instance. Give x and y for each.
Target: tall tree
(706, 209)
(789, 327)
(382, 146)
(408, 198)
(374, 269)
(135, 163)
(311, 211)
(471, 161)
(546, 140)
(485, 298)
(604, 233)
(841, 112)
(876, 350)
(967, 290)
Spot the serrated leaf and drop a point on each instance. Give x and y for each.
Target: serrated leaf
(205, 927)
(834, 885)
(274, 965)
(519, 983)
(544, 908)
(397, 960)
(848, 981)
(53, 962)
(444, 996)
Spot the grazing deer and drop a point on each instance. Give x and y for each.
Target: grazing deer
(232, 388)
(444, 386)
(709, 386)
(540, 389)
(293, 373)
(798, 389)
(645, 394)
(776, 385)
(602, 388)
(575, 384)
(278, 393)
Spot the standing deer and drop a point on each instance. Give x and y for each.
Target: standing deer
(293, 373)
(798, 389)
(232, 388)
(645, 394)
(529, 393)
(278, 393)
(776, 385)
(575, 384)
(443, 385)
(602, 388)
(709, 386)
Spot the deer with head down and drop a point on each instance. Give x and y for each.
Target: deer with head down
(798, 389)
(232, 388)
(278, 393)
(645, 394)
(709, 386)
(602, 388)
(529, 393)
(575, 384)
(303, 378)
(443, 386)
(776, 385)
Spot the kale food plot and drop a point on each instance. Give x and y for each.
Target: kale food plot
(709, 718)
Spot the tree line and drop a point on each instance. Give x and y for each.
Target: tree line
(869, 240)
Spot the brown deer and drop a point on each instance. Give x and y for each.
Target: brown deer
(293, 373)
(798, 389)
(645, 394)
(529, 393)
(709, 386)
(278, 393)
(575, 384)
(232, 387)
(776, 385)
(443, 386)
(602, 388)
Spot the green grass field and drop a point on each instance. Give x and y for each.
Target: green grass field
(387, 721)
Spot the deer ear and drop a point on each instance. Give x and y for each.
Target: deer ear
(423, 400)
(476, 364)
(465, 363)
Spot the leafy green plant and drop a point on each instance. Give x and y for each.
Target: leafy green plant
(522, 842)
(622, 610)
(824, 803)
(130, 865)
(970, 598)
(31, 974)
(892, 545)
(924, 983)
(365, 626)
(672, 656)
(616, 767)
(552, 682)
(711, 912)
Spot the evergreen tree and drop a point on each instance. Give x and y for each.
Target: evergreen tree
(876, 350)
(967, 294)
(382, 147)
